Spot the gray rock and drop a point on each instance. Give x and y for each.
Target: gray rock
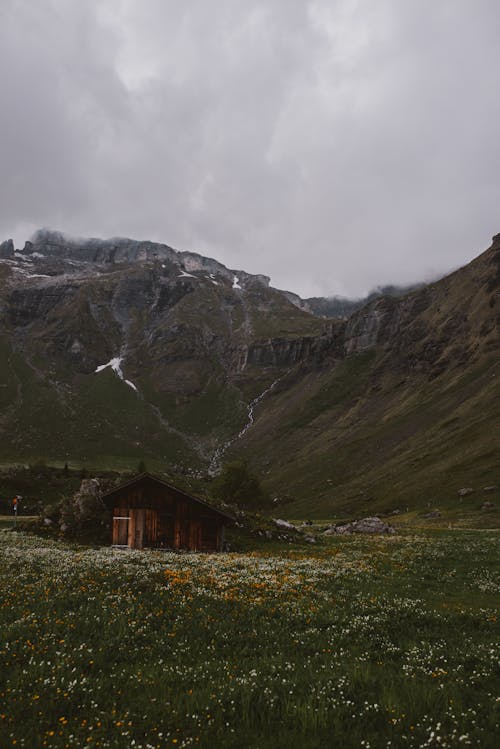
(7, 249)
(366, 525)
(89, 486)
(488, 506)
(47, 521)
(464, 492)
(493, 488)
(296, 300)
(363, 328)
(331, 531)
(86, 499)
(284, 352)
(285, 524)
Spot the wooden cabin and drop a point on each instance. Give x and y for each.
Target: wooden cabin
(148, 512)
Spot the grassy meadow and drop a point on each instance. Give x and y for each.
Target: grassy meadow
(357, 642)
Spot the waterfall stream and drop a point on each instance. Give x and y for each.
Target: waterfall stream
(219, 452)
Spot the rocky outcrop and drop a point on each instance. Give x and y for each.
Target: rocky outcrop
(364, 328)
(35, 303)
(119, 250)
(7, 249)
(46, 242)
(388, 322)
(286, 352)
(193, 262)
(280, 352)
(297, 301)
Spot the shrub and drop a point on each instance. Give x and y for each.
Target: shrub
(236, 484)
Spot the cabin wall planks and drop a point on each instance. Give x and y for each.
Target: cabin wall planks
(147, 512)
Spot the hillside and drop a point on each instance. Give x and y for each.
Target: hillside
(406, 417)
(116, 350)
(175, 330)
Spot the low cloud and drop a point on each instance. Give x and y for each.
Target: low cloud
(332, 145)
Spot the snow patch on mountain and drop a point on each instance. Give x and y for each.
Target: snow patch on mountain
(115, 365)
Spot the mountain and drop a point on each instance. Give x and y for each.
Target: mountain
(338, 306)
(117, 350)
(406, 415)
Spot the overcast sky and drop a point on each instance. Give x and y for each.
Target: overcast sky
(331, 144)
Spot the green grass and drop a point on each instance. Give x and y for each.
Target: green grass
(9, 522)
(100, 421)
(364, 642)
(218, 408)
(342, 387)
(359, 438)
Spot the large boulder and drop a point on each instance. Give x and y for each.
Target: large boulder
(285, 524)
(85, 506)
(366, 525)
(83, 512)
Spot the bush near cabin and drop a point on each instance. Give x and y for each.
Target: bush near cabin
(237, 485)
(81, 515)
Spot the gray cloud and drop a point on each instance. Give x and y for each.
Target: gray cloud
(332, 145)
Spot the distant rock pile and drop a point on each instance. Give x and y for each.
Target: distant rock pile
(366, 525)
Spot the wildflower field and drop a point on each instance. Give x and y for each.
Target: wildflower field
(364, 642)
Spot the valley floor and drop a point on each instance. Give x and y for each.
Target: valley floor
(366, 642)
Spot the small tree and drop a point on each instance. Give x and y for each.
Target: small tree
(237, 484)
(141, 468)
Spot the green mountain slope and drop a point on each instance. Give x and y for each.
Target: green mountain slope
(407, 421)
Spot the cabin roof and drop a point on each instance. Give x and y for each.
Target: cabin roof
(148, 478)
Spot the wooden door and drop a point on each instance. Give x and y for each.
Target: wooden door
(120, 526)
(136, 528)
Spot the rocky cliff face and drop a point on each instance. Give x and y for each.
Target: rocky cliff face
(286, 352)
(7, 249)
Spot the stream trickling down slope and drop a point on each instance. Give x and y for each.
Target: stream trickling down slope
(214, 465)
(252, 406)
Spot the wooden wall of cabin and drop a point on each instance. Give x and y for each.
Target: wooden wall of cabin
(159, 518)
